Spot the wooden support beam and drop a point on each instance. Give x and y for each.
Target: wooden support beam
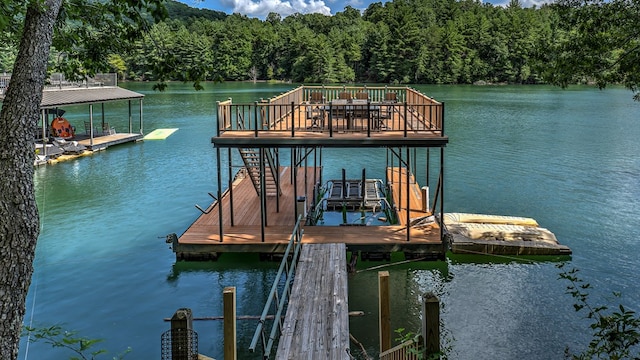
(384, 310)
(229, 300)
(431, 325)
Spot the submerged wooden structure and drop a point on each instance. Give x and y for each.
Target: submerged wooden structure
(278, 145)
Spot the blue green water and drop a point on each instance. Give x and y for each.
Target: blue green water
(568, 158)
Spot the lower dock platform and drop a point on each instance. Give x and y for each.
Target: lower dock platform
(202, 240)
(103, 142)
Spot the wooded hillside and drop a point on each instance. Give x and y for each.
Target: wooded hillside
(402, 41)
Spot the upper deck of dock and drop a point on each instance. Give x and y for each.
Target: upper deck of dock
(334, 117)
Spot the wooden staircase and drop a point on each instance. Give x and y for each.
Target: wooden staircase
(251, 159)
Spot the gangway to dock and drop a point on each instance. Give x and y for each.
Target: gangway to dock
(316, 326)
(311, 283)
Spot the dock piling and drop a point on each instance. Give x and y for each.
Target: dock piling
(229, 299)
(384, 310)
(431, 324)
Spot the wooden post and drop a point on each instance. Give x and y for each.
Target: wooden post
(425, 198)
(229, 299)
(181, 326)
(384, 310)
(431, 324)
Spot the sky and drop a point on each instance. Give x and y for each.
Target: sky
(260, 8)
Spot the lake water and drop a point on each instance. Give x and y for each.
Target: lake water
(568, 158)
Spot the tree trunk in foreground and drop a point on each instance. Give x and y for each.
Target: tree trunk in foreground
(19, 223)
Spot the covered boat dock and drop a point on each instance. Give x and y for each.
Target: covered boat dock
(55, 134)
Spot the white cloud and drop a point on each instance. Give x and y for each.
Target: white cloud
(262, 8)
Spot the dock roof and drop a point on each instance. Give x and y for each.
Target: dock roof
(85, 95)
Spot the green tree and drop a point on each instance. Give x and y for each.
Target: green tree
(57, 337)
(599, 41)
(615, 332)
(118, 65)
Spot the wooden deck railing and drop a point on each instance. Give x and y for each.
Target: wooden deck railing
(408, 350)
(374, 93)
(313, 108)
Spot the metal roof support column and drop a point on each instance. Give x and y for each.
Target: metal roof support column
(330, 120)
(406, 121)
(315, 178)
(102, 110)
(428, 161)
(292, 165)
(399, 155)
(315, 165)
(320, 181)
(369, 120)
(130, 119)
(141, 122)
(277, 178)
(218, 164)
(230, 167)
(415, 162)
(408, 194)
(442, 194)
(386, 173)
(263, 195)
(306, 167)
(293, 121)
(294, 173)
(91, 123)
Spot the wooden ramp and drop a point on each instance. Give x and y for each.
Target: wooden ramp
(399, 190)
(316, 325)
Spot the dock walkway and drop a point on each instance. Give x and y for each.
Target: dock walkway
(316, 325)
(105, 141)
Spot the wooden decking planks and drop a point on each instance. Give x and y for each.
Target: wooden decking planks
(203, 236)
(247, 216)
(369, 235)
(102, 142)
(316, 325)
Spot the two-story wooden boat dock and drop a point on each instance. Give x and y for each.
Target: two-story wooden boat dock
(278, 146)
(272, 191)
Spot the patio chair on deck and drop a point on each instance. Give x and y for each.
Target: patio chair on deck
(345, 95)
(106, 130)
(362, 95)
(387, 108)
(87, 128)
(315, 111)
(391, 97)
(316, 97)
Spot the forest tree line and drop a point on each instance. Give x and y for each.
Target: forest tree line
(400, 41)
